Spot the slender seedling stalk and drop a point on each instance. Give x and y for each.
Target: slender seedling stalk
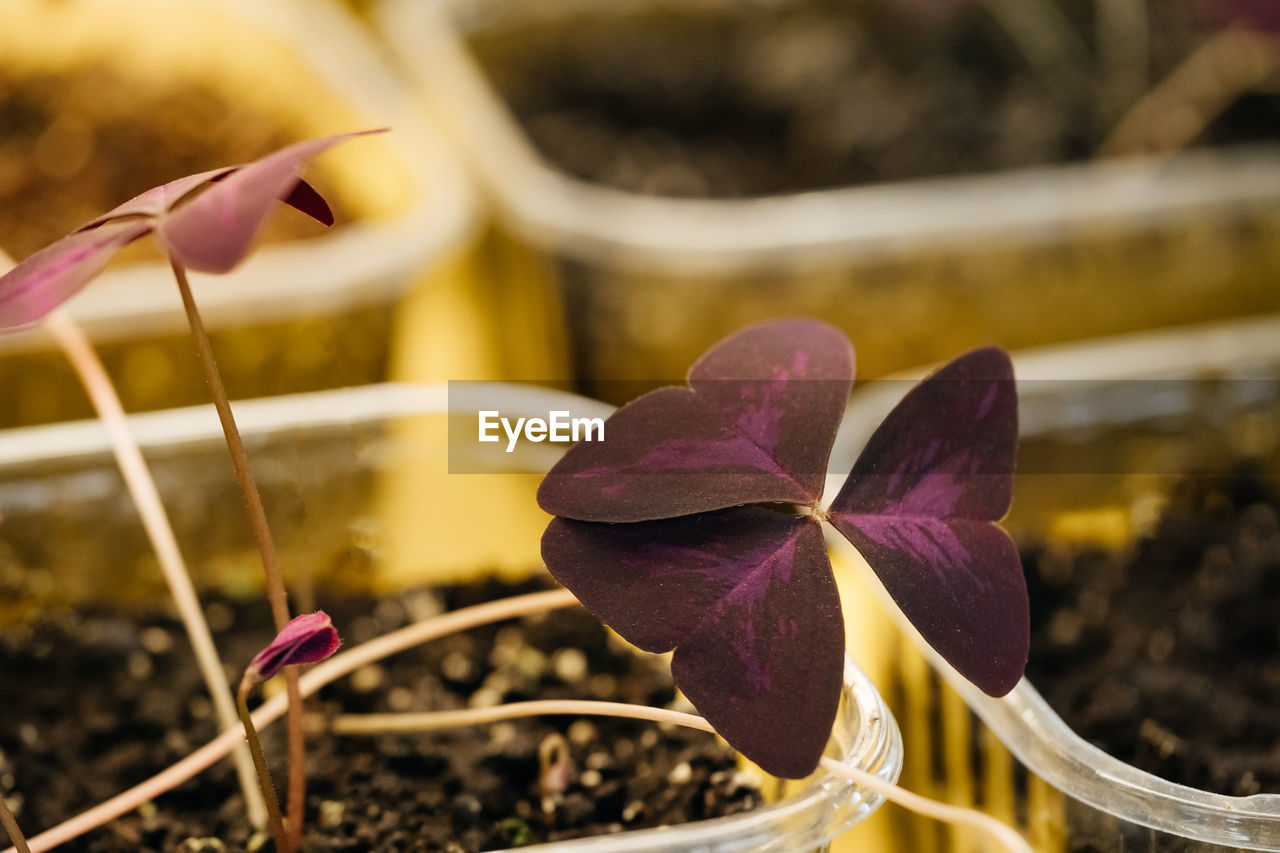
(239, 458)
(1174, 112)
(275, 821)
(10, 824)
(266, 548)
(1001, 832)
(142, 488)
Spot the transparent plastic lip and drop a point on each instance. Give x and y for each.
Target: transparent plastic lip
(686, 235)
(864, 733)
(1023, 721)
(360, 263)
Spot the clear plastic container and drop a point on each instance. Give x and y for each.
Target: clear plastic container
(1105, 426)
(913, 271)
(323, 461)
(313, 311)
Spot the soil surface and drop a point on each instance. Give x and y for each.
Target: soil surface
(727, 100)
(1168, 657)
(95, 702)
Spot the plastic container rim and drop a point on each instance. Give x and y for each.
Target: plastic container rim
(595, 222)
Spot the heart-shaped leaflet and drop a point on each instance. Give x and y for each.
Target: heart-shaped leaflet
(755, 425)
(921, 504)
(746, 598)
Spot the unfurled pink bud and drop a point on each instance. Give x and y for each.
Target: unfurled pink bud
(306, 639)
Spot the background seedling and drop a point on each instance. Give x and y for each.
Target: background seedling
(308, 638)
(204, 222)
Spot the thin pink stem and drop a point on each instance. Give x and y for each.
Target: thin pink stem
(274, 820)
(364, 724)
(1006, 835)
(239, 457)
(266, 548)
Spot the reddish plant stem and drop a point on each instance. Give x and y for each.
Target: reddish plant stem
(274, 820)
(10, 824)
(239, 458)
(266, 548)
(297, 760)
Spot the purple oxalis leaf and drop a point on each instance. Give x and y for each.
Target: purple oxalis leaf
(756, 427)
(654, 535)
(205, 221)
(307, 638)
(746, 598)
(921, 505)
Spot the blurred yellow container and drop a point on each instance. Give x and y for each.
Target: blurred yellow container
(1107, 429)
(120, 92)
(913, 271)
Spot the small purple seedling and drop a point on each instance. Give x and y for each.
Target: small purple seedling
(308, 638)
(697, 526)
(205, 222)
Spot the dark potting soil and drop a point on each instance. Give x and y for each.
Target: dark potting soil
(744, 99)
(96, 702)
(1168, 657)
